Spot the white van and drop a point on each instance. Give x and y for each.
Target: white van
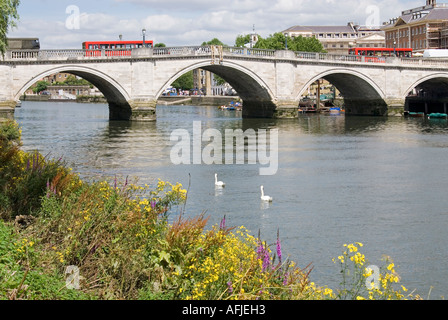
(435, 53)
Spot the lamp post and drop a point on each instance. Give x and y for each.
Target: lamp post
(286, 41)
(395, 53)
(144, 34)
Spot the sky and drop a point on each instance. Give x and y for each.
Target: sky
(65, 24)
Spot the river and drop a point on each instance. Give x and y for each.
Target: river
(376, 180)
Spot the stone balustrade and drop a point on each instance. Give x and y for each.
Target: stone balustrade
(118, 54)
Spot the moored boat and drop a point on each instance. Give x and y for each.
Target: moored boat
(335, 110)
(416, 114)
(232, 106)
(438, 116)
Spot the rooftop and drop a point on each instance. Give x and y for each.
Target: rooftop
(317, 29)
(425, 13)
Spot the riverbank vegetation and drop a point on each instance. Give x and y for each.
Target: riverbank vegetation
(65, 238)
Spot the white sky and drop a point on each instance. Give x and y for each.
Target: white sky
(182, 23)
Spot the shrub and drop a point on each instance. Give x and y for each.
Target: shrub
(362, 281)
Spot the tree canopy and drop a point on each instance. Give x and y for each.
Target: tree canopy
(184, 82)
(8, 17)
(276, 41)
(213, 42)
(241, 41)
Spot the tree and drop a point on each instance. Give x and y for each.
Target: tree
(214, 42)
(74, 81)
(40, 86)
(241, 41)
(160, 45)
(277, 42)
(184, 82)
(8, 17)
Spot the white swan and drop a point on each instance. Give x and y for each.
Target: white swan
(218, 183)
(263, 197)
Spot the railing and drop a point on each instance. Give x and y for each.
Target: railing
(214, 52)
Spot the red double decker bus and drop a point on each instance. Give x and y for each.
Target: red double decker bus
(381, 52)
(113, 48)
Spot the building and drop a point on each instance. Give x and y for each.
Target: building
(420, 28)
(339, 39)
(207, 84)
(58, 77)
(23, 44)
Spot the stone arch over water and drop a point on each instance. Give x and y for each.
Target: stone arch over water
(428, 94)
(437, 83)
(258, 98)
(362, 96)
(116, 96)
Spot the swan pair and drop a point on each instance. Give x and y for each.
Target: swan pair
(263, 196)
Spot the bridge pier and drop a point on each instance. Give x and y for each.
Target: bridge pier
(395, 107)
(269, 109)
(135, 110)
(374, 107)
(287, 109)
(258, 109)
(7, 109)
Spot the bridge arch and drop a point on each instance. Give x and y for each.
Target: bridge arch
(256, 94)
(361, 94)
(436, 79)
(428, 94)
(116, 96)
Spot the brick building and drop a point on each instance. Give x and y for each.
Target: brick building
(420, 28)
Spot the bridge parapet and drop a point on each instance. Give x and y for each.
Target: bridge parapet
(217, 52)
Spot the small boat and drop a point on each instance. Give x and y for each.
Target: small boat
(416, 114)
(438, 116)
(335, 110)
(19, 104)
(232, 106)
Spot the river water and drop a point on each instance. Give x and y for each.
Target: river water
(379, 181)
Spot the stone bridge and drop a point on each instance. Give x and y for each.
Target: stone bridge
(269, 82)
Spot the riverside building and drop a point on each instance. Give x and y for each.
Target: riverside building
(339, 39)
(420, 28)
